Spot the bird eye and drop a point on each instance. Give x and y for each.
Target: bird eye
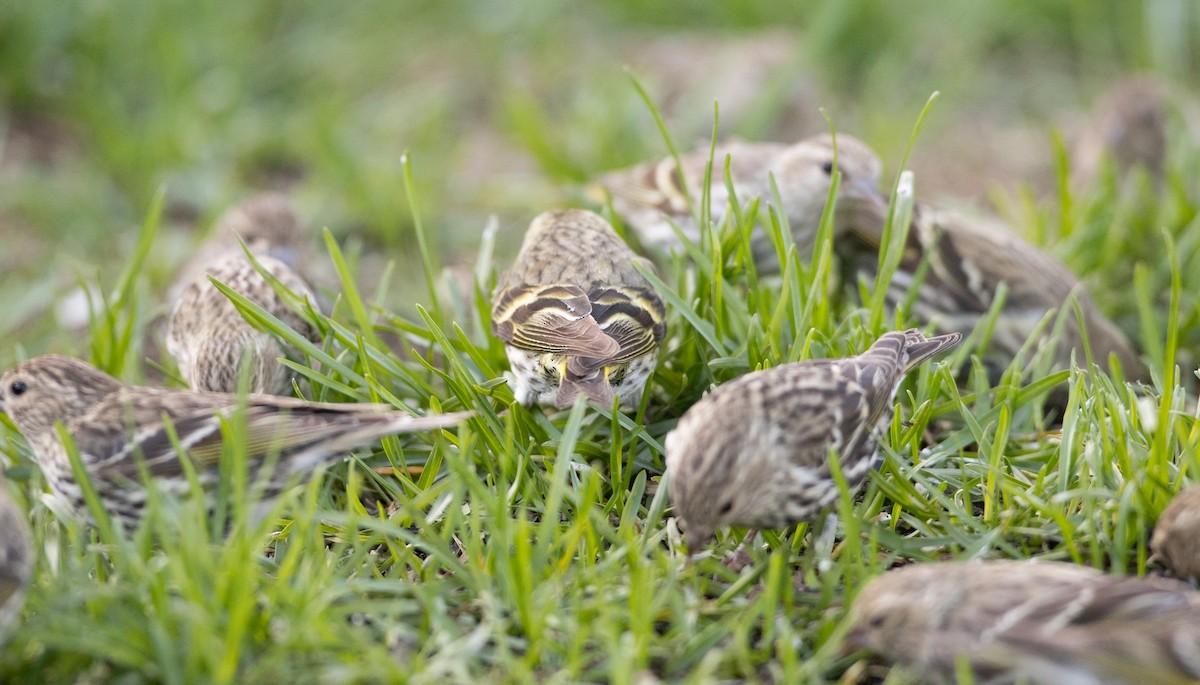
(876, 621)
(18, 388)
(726, 508)
(827, 167)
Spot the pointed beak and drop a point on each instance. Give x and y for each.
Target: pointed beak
(866, 190)
(696, 539)
(854, 641)
(863, 204)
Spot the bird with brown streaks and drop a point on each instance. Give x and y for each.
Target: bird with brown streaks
(649, 197)
(208, 337)
(755, 451)
(1041, 623)
(122, 430)
(575, 315)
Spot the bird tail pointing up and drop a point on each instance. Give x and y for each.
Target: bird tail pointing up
(918, 348)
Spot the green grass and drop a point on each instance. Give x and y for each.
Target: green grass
(534, 546)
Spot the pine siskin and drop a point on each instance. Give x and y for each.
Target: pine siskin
(648, 197)
(1176, 539)
(207, 336)
(267, 222)
(16, 559)
(1046, 623)
(1128, 126)
(968, 260)
(113, 424)
(755, 451)
(575, 315)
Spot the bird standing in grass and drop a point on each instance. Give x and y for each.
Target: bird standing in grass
(1176, 539)
(207, 336)
(755, 452)
(120, 429)
(16, 559)
(1127, 128)
(575, 315)
(649, 197)
(1042, 623)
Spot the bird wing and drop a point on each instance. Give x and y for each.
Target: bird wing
(977, 254)
(551, 319)
(272, 426)
(821, 405)
(1142, 630)
(652, 185)
(632, 316)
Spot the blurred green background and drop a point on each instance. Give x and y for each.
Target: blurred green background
(505, 107)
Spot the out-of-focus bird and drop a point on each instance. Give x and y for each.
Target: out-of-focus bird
(755, 452)
(1176, 539)
(16, 559)
(207, 336)
(1128, 125)
(575, 315)
(649, 197)
(968, 260)
(118, 429)
(1044, 623)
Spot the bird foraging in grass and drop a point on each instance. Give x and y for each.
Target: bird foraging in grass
(16, 559)
(1176, 539)
(755, 451)
(1127, 128)
(207, 336)
(1039, 623)
(649, 197)
(575, 315)
(119, 429)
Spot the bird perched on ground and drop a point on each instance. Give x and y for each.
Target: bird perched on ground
(649, 197)
(1128, 126)
(118, 429)
(1176, 539)
(575, 315)
(207, 336)
(755, 452)
(16, 559)
(968, 260)
(1045, 623)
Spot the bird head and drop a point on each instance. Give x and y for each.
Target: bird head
(805, 175)
(51, 388)
(268, 224)
(703, 478)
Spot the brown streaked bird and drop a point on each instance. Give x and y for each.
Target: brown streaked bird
(1176, 539)
(575, 315)
(649, 197)
(1045, 623)
(755, 451)
(968, 260)
(207, 336)
(1127, 127)
(16, 559)
(115, 426)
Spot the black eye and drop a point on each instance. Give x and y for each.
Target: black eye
(725, 508)
(827, 167)
(18, 388)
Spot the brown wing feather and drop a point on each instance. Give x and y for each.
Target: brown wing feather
(555, 319)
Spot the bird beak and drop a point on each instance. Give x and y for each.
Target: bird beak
(863, 204)
(865, 189)
(855, 640)
(696, 540)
